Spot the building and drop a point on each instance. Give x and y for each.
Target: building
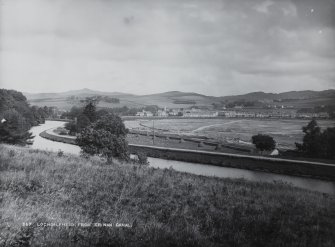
(229, 114)
(144, 114)
(259, 113)
(162, 113)
(199, 113)
(313, 115)
(175, 112)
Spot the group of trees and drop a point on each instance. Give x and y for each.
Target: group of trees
(76, 111)
(81, 116)
(242, 103)
(317, 143)
(99, 132)
(330, 109)
(17, 117)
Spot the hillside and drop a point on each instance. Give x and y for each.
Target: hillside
(308, 94)
(176, 99)
(172, 99)
(157, 207)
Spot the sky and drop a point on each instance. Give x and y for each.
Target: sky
(213, 47)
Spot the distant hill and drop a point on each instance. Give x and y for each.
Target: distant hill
(298, 99)
(81, 92)
(176, 99)
(308, 94)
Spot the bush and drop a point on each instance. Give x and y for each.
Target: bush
(106, 137)
(142, 158)
(63, 132)
(71, 127)
(263, 142)
(60, 153)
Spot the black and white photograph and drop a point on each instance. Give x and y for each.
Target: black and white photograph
(167, 123)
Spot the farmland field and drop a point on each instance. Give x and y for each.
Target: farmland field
(285, 132)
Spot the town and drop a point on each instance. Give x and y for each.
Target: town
(236, 112)
(206, 112)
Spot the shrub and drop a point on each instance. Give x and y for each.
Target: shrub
(263, 142)
(142, 158)
(11, 153)
(71, 127)
(63, 132)
(60, 153)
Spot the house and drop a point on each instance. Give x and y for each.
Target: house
(199, 113)
(162, 113)
(228, 114)
(144, 114)
(175, 112)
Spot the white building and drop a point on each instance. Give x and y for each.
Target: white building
(199, 113)
(162, 113)
(144, 114)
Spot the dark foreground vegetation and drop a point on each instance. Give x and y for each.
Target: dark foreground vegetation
(317, 143)
(162, 207)
(17, 117)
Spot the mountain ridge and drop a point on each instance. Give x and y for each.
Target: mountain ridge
(175, 99)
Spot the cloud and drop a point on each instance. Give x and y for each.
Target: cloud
(264, 6)
(213, 47)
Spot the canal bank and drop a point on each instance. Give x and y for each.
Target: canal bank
(316, 170)
(195, 168)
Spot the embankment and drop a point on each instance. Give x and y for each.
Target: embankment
(56, 138)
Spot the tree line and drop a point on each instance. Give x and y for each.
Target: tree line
(17, 117)
(75, 111)
(316, 143)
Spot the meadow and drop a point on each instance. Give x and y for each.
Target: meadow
(143, 206)
(285, 132)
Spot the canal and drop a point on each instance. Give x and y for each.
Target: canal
(199, 169)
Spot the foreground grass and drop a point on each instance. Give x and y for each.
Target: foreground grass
(163, 207)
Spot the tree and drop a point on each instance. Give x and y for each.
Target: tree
(263, 142)
(82, 122)
(328, 137)
(316, 143)
(312, 141)
(102, 112)
(90, 111)
(152, 108)
(14, 130)
(106, 137)
(74, 112)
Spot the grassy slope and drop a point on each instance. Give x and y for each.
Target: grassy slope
(165, 207)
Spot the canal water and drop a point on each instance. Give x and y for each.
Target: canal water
(199, 169)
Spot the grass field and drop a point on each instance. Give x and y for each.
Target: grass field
(285, 132)
(157, 207)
